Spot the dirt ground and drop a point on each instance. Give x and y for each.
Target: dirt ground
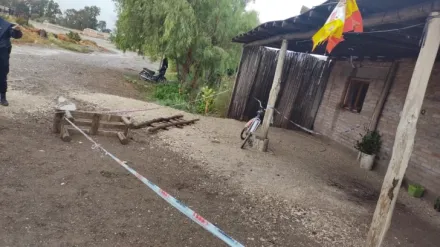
(305, 192)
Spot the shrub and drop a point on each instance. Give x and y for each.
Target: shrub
(170, 94)
(207, 100)
(370, 143)
(74, 36)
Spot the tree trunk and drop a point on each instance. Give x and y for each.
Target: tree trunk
(177, 70)
(187, 65)
(195, 77)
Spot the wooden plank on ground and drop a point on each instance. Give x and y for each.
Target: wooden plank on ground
(102, 124)
(164, 126)
(122, 138)
(149, 122)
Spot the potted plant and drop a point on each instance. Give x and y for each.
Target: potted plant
(368, 146)
(416, 190)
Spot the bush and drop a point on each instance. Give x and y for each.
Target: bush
(207, 103)
(170, 94)
(68, 45)
(74, 36)
(370, 143)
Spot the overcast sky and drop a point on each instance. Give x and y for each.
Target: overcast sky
(269, 10)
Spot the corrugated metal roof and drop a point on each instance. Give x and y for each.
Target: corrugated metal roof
(378, 15)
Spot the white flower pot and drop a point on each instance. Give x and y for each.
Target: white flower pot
(367, 161)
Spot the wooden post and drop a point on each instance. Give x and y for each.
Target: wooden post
(273, 95)
(384, 95)
(406, 131)
(95, 124)
(58, 117)
(64, 134)
(128, 125)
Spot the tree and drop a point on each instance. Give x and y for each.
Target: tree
(102, 25)
(80, 19)
(195, 34)
(52, 10)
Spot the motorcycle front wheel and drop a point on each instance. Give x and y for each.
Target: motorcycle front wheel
(162, 80)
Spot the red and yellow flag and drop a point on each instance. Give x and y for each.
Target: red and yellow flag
(346, 17)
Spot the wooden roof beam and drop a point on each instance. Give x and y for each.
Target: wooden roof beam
(417, 11)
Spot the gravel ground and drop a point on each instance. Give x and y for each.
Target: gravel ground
(305, 192)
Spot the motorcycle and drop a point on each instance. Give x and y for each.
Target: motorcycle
(149, 75)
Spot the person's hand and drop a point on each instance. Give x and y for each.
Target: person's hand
(16, 27)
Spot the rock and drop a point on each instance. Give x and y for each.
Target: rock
(65, 105)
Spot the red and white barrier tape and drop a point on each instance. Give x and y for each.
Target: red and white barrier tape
(167, 197)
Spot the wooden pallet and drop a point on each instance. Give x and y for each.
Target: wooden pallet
(164, 123)
(92, 124)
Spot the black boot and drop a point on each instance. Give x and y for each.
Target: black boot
(3, 100)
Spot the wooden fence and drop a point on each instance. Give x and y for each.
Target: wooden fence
(303, 84)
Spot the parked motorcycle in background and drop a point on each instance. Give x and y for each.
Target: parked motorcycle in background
(150, 75)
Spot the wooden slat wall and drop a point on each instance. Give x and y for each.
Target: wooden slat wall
(302, 87)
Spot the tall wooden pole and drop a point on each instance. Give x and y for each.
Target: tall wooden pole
(406, 132)
(273, 95)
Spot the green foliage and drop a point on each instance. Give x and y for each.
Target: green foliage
(80, 19)
(170, 94)
(68, 45)
(195, 35)
(207, 102)
(101, 26)
(74, 36)
(370, 143)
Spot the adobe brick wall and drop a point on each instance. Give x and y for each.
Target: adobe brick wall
(344, 127)
(424, 166)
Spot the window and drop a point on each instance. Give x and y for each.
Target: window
(355, 95)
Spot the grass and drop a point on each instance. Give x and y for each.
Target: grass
(173, 95)
(31, 36)
(68, 45)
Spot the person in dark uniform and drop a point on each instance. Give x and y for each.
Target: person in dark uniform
(7, 31)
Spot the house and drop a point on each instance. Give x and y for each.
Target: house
(386, 78)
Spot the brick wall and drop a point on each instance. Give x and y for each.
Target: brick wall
(424, 166)
(344, 127)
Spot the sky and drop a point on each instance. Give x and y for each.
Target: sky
(269, 10)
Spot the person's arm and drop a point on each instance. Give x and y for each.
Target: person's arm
(16, 33)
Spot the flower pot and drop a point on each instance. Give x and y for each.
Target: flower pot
(415, 190)
(367, 161)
